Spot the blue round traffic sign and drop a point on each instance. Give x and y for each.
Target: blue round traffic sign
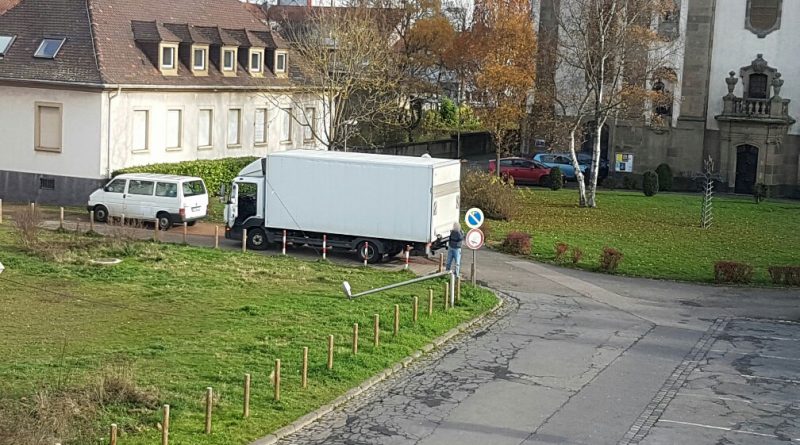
(474, 218)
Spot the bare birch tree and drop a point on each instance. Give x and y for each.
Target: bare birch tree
(347, 69)
(607, 51)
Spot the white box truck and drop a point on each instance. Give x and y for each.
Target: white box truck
(372, 204)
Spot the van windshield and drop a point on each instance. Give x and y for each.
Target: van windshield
(194, 188)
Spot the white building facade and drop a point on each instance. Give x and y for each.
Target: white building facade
(201, 84)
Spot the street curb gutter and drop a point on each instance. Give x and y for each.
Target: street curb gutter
(315, 415)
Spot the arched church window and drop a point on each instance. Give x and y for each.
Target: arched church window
(763, 16)
(757, 86)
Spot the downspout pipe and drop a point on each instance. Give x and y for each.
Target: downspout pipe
(111, 96)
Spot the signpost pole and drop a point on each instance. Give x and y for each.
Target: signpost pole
(473, 270)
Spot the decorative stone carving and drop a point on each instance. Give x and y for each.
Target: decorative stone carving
(777, 83)
(759, 64)
(766, 19)
(731, 81)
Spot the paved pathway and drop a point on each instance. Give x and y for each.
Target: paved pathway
(571, 362)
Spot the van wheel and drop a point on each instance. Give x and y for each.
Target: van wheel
(191, 223)
(100, 213)
(164, 221)
(369, 252)
(257, 239)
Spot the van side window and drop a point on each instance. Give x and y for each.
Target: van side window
(141, 187)
(116, 186)
(167, 189)
(193, 188)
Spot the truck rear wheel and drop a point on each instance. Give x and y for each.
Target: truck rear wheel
(369, 251)
(257, 239)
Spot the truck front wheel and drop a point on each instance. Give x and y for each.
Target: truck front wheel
(369, 251)
(257, 239)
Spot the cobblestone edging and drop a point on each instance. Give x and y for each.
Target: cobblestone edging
(313, 416)
(641, 427)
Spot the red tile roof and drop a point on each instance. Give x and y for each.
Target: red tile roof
(114, 41)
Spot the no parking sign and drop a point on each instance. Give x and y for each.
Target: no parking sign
(474, 239)
(474, 218)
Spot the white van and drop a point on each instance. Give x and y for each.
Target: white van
(147, 196)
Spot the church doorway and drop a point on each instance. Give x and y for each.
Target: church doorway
(746, 167)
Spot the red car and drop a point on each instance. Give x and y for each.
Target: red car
(524, 171)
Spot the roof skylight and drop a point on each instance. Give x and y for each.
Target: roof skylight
(49, 48)
(5, 44)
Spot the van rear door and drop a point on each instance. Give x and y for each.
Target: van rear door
(195, 199)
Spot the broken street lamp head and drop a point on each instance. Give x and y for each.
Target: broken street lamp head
(345, 287)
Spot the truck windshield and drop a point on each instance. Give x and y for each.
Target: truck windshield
(194, 188)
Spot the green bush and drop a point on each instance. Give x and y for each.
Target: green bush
(556, 179)
(489, 193)
(611, 183)
(664, 173)
(213, 171)
(650, 183)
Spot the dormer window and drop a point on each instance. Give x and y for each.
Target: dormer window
(5, 44)
(49, 48)
(256, 61)
(280, 62)
(168, 59)
(229, 61)
(200, 60)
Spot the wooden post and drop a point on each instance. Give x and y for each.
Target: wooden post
(416, 308)
(246, 408)
(185, 230)
(446, 295)
(277, 380)
(216, 237)
(458, 290)
(355, 338)
(122, 221)
(377, 333)
(209, 404)
(441, 262)
(244, 240)
(165, 426)
(430, 302)
(304, 378)
(330, 352)
(113, 435)
(396, 319)
(91, 221)
(61, 218)
(33, 208)
(155, 230)
(1, 211)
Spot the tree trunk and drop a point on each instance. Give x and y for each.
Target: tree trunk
(578, 172)
(592, 201)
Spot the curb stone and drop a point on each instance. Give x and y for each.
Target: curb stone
(315, 415)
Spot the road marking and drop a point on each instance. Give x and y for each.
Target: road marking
(723, 428)
(735, 399)
(777, 379)
(777, 357)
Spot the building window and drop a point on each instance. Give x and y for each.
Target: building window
(167, 58)
(228, 60)
(280, 62)
(199, 59)
(5, 44)
(49, 48)
(174, 129)
(286, 125)
(309, 130)
(256, 61)
(47, 183)
(261, 126)
(234, 127)
(48, 127)
(763, 16)
(141, 130)
(205, 128)
(757, 86)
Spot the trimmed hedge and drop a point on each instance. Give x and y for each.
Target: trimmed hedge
(556, 179)
(732, 272)
(213, 171)
(650, 183)
(664, 173)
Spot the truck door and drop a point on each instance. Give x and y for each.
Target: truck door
(243, 203)
(231, 208)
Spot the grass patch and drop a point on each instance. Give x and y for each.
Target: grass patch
(660, 235)
(177, 319)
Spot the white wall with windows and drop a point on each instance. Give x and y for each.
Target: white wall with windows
(153, 127)
(49, 131)
(735, 47)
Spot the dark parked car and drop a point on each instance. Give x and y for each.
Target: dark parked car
(524, 171)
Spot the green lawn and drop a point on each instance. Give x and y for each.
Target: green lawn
(179, 319)
(660, 235)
